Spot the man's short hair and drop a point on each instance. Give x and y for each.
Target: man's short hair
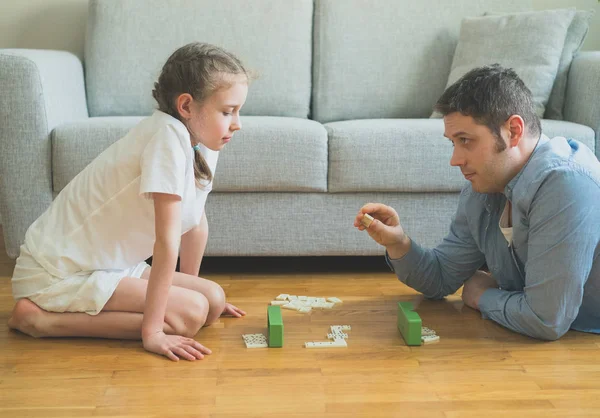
(490, 95)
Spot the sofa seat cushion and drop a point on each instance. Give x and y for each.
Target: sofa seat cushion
(273, 154)
(406, 155)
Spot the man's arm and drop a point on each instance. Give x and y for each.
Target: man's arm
(563, 234)
(193, 244)
(441, 271)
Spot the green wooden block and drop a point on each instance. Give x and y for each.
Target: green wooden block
(409, 323)
(275, 326)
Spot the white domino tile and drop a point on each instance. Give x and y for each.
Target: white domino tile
(326, 344)
(255, 340)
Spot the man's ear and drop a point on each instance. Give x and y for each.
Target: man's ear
(184, 104)
(516, 129)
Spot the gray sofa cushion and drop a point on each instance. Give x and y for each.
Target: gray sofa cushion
(576, 131)
(127, 43)
(268, 154)
(575, 36)
(531, 43)
(317, 224)
(391, 155)
(386, 58)
(276, 155)
(406, 155)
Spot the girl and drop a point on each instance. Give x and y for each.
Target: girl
(81, 270)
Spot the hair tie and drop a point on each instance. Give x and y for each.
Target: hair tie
(196, 147)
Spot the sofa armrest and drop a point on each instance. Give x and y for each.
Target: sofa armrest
(39, 91)
(583, 92)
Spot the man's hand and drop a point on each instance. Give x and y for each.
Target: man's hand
(385, 228)
(475, 286)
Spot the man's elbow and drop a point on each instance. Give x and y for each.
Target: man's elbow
(430, 292)
(439, 293)
(551, 331)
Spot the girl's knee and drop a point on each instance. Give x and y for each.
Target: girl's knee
(217, 297)
(216, 301)
(192, 315)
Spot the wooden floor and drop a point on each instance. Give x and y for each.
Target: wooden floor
(478, 369)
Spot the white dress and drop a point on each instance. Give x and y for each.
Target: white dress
(100, 228)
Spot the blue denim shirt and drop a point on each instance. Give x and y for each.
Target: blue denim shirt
(549, 276)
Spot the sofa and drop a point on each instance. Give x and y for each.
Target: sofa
(339, 115)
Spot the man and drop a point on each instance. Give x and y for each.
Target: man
(531, 212)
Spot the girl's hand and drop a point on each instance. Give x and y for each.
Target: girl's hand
(175, 346)
(231, 310)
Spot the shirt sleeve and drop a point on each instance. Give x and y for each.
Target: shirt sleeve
(563, 235)
(441, 271)
(163, 164)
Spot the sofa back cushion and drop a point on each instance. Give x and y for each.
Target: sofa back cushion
(128, 42)
(270, 154)
(387, 58)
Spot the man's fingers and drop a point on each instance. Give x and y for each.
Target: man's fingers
(371, 208)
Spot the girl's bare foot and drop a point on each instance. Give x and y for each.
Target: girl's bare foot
(27, 317)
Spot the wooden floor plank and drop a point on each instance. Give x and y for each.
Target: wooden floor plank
(477, 369)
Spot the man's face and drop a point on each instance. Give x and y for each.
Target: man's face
(476, 153)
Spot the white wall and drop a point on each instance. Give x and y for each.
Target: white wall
(43, 24)
(60, 24)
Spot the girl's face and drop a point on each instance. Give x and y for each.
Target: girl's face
(214, 121)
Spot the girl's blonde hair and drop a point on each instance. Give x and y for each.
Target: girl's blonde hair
(197, 69)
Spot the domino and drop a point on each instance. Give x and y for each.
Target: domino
(427, 331)
(275, 326)
(341, 328)
(305, 304)
(430, 339)
(326, 344)
(255, 340)
(366, 220)
(323, 305)
(336, 336)
(409, 323)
